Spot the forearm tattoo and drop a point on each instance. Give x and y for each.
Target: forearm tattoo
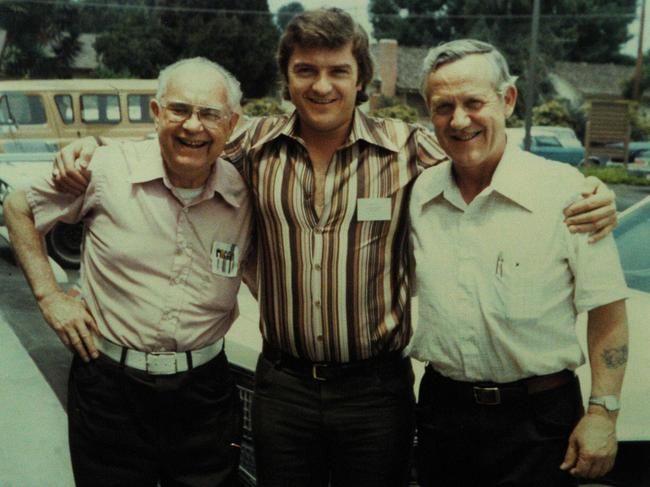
(615, 357)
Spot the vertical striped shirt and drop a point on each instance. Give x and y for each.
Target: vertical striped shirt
(334, 288)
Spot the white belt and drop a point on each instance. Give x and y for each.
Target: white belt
(159, 363)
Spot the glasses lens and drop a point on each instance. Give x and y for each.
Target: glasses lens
(179, 111)
(211, 117)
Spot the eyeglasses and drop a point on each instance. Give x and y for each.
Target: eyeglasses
(210, 117)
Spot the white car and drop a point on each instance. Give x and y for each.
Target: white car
(17, 170)
(632, 469)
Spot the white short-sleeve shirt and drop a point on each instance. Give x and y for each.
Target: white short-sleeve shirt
(500, 281)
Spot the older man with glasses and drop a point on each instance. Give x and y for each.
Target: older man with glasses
(168, 226)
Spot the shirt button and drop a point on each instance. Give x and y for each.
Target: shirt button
(318, 230)
(317, 304)
(319, 338)
(317, 267)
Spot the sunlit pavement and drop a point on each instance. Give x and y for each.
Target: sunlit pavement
(34, 446)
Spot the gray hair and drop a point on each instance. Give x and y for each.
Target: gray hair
(458, 49)
(232, 85)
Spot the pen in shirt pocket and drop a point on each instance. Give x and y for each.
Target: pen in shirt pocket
(499, 267)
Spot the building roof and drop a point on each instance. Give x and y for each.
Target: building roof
(588, 79)
(409, 63)
(595, 79)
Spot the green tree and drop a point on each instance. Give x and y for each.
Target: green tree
(287, 12)
(38, 46)
(238, 34)
(565, 33)
(564, 29)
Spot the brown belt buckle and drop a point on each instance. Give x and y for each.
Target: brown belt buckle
(314, 371)
(487, 396)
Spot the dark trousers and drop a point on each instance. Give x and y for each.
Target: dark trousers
(353, 431)
(520, 443)
(129, 428)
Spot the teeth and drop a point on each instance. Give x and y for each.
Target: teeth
(193, 143)
(466, 137)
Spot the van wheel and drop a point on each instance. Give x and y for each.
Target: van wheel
(64, 244)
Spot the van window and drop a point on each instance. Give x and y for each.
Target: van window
(139, 108)
(64, 105)
(24, 109)
(100, 109)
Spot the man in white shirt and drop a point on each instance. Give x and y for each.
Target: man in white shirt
(500, 281)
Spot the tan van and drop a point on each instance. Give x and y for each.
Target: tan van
(44, 115)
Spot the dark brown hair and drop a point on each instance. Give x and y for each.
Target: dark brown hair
(329, 28)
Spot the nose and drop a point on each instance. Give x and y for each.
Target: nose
(193, 122)
(459, 118)
(322, 85)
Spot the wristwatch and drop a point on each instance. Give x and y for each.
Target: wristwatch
(610, 403)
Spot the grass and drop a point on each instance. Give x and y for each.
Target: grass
(615, 175)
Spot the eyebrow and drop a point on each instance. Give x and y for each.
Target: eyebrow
(304, 64)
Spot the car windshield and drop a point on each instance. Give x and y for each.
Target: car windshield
(632, 237)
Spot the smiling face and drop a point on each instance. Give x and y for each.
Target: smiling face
(323, 85)
(468, 114)
(188, 148)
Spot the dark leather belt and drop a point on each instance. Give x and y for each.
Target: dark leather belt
(324, 371)
(494, 393)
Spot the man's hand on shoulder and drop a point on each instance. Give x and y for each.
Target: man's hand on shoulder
(70, 173)
(72, 322)
(592, 446)
(595, 213)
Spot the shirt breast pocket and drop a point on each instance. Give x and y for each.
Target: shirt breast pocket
(519, 286)
(224, 259)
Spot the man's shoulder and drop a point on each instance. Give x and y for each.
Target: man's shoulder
(550, 180)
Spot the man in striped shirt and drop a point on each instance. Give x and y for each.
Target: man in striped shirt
(334, 397)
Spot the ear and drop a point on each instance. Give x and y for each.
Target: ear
(510, 100)
(234, 118)
(156, 110)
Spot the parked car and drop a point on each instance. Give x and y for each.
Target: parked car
(632, 469)
(63, 241)
(44, 115)
(555, 143)
(634, 150)
(639, 165)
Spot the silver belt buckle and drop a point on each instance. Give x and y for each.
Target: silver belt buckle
(161, 363)
(487, 396)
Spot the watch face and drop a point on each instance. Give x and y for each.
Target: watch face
(611, 403)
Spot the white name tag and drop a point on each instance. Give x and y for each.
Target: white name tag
(225, 259)
(373, 209)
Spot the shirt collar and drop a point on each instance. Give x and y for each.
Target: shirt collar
(363, 128)
(510, 179)
(223, 179)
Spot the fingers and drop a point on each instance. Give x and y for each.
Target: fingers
(570, 456)
(70, 173)
(602, 225)
(592, 467)
(79, 338)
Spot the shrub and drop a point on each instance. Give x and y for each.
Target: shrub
(401, 112)
(261, 107)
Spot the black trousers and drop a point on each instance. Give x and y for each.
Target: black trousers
(355, 430)
(520, 443)
(129, 428)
